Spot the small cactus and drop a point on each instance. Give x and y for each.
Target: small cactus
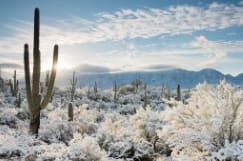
(95, 88)
(35, 101)
(73, 83)
(115, 89)
(15, 85)
(168, 93)
(178, 97)
(70, 112)
(1, 82)
(145, 100)
(18, 100)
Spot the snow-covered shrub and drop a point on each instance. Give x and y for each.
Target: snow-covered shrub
(129, 99)
(8, 117)
(54, 151)
(115, 125)
(84, 127)
(85, 148)
(145, 123)
(212, 117)
(124, 90)
(13, 143)
(230, 151)
(127, 109)
(55, 132)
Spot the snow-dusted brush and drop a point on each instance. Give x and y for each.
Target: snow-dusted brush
(35, 101)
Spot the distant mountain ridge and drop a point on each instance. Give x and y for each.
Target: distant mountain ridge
(170, 76)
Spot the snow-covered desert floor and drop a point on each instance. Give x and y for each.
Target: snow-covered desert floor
(206, 125)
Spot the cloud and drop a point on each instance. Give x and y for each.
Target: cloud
(10, 66)
(92, 69)
(157, 67)
(215, 50)
(128, 24)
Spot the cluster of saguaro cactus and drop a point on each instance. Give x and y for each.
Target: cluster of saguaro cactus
(136, 83)
(70, 112)
(178, 91)
(35, 100)
(145, 99)
(15, 85)
(73, 83)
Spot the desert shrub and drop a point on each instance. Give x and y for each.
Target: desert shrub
(212, 117)
(56, 132)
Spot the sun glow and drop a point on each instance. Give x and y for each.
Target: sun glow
(61, 65)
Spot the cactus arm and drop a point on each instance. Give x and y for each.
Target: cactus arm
(27, 76)
(36, 56)
(52, 79)
(36, 30)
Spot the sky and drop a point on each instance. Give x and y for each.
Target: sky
(125, 35)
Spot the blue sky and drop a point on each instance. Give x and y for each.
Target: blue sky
(127, 35)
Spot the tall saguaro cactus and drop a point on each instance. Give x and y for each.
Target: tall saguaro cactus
(35, 102)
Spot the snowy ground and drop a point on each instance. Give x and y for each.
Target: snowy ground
(208, 127)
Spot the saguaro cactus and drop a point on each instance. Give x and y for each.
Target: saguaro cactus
(115, 89)
(73, 83)
(70, 112)
(1, 81)
(15, 85)
(168, 93)
(178, 97)
(35, 101)
(95, 88)
(145, 103)
(18, 100)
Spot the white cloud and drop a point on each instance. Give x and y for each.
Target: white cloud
(127, 23)
(216, 50)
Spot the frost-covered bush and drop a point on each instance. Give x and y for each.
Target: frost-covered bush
(230, 151)
(212, 117)
(85, 149)
(56, 132)
(145, 124)
(129, 99)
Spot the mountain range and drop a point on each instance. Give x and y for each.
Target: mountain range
(153, 75)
